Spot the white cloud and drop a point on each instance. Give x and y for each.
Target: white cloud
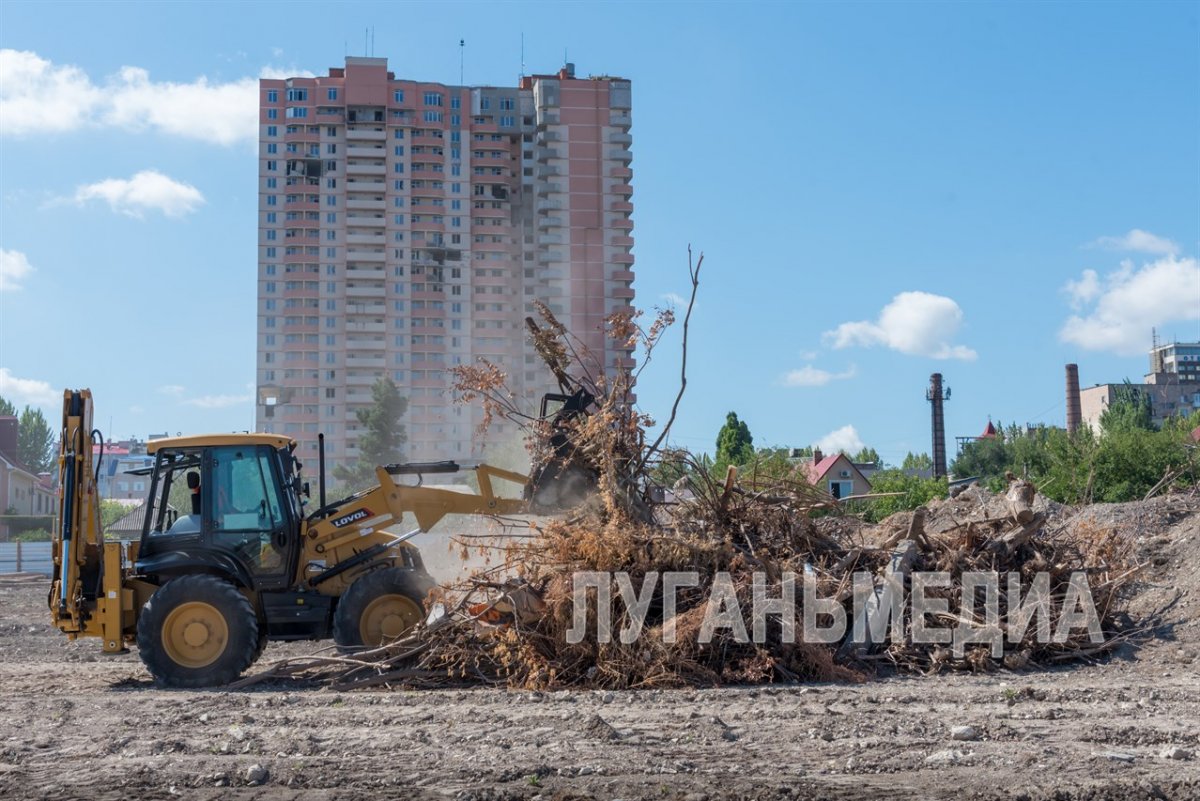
(1139, 241)
(14, 268)
(914, 323)
(1084, 291)
(218, 401)
(809, 376)
(1132, 302)
(146, 191)
(174, 390)
(26, 390)
(843, 439)
(281, 73)
(674, 299)
(38, 96)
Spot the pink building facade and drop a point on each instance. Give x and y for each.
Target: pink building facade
(408, 227)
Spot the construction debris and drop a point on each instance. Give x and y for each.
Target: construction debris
(758, 534)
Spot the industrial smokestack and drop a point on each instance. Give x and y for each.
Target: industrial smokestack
(1074, 409)
(935, 396)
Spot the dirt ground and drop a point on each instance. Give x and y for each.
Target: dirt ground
(77, 724)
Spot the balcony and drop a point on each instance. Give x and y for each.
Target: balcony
(625, 276)
(373, 273)
(364, 168)
(365, 185)
(623, 258)
(366, 328)
(619, 120)
(621, 155)
(547, 153)
(366, 151)
(550, 239)
(621, 241)
(365, 239)
(550, 189)
(623, 293)
(360, 345)
(366, 133)
(550, 222)
(366, 255)
(373, 204)
(620, 139)
(622, 189)
(554, 205)
(621, 172)
(365, 291)
(622, 224)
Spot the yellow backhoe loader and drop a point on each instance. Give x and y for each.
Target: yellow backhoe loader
(229, 558)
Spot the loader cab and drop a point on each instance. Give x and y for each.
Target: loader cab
(225, 505)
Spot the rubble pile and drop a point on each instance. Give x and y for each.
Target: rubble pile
(741, 540)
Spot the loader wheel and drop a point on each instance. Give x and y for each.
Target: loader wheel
(197, 631)
(378, 608)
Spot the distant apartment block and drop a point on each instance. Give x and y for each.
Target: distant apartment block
(407, 227)
(1172, 385)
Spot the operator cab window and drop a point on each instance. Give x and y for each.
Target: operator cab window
(175, 505)
(245, 507)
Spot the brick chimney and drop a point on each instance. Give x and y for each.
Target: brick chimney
(8, 438)
(817, 455)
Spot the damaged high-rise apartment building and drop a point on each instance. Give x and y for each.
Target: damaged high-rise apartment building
(407, 227)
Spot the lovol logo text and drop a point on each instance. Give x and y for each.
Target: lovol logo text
(353, 517)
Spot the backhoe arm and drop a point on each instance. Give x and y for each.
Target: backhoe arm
(86, 591)
(350, 532)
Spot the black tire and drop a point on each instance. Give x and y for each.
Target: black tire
(262, 642)
(197, 631)
(403, 589)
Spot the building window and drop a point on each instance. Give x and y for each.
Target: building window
(331, 94)
(507, 122)
(272, 114)
(272, 96)
(485, 103)
(433, 116)
(272, 166)
(271, 200)
(398, 96)
(297, 95)
(506, 104)
(272, 130)
(296, 112)
(433, 99)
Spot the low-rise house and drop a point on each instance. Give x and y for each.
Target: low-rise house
(837, 475)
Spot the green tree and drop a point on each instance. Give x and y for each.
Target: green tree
(988, 459)
(916, 491)
(1129, 410)
(382, 437)
(735, 445)
(6, 407)
(35, 442)
(917, 461)
(866, 456)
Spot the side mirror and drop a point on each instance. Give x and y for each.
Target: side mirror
(305, 489)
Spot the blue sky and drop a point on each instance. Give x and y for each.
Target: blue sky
(882, 191)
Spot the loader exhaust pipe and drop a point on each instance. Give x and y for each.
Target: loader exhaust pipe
(321, 467)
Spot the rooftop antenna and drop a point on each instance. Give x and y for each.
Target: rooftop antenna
(372, 41)
(522, 54)
(462, 48)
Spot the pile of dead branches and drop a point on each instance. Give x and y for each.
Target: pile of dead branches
(742, 536)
